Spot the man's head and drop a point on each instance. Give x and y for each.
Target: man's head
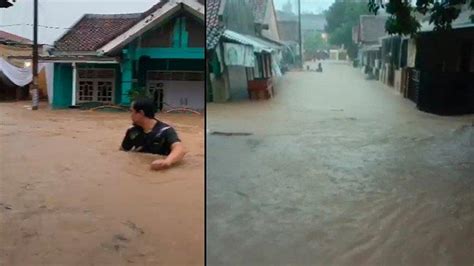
(142, 110)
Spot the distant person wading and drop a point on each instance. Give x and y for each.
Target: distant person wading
(150, 135)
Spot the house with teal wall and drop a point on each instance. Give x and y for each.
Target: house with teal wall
(102, 57)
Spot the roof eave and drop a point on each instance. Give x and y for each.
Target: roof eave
(71, 59)
(72, 53)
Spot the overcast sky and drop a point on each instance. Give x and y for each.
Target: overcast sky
(307, 6)
(64, 13)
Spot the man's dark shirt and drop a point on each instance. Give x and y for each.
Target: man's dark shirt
(158, 141)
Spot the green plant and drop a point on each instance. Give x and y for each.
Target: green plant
(341, 17)
(139, 92)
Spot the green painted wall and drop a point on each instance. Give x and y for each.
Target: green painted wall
(129, 71)
(127, 81)
(181, 53)
(176, 41)
(180, 35)
(62, 96)
(137, 60)
(184, 33)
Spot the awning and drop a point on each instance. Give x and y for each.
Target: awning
(238, 55)
(259, 45)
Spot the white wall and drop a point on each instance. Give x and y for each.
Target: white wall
(237, 82)
(220, 93)
(193, 91)
(411, 53)
(270, 18)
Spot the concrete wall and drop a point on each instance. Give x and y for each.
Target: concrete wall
(397, 80)
(220, 92)
(238, 16)
(288, 30)
(237, 82)
(270, 18)
(442, 51)
(411, 53)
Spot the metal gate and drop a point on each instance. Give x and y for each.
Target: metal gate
(157, 80)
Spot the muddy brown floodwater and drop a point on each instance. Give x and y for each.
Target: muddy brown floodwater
(69, 197)
(338, 170)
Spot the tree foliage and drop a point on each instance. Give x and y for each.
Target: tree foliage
(343, 35)
(312, 43)
(139, 93)
(402, 19)
(344, 12)
(340, 18)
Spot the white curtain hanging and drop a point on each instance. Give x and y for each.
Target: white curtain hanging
(17, 75)
(24, 76)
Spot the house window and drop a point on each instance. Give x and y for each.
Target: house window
(86, 91)
(95, 85)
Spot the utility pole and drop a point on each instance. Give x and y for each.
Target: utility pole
(299, 31)
(34, 95)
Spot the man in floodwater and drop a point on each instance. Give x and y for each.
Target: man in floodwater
(150, 135)
(320, 68)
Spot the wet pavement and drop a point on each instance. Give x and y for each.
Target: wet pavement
(338, 170)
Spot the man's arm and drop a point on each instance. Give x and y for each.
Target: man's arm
(132, 141)
(127, 143)
(176, 155)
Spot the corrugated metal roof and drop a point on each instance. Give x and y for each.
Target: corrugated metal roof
(259, 45)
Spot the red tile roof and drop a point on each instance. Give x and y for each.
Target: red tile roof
(94, 31)
(12, 38)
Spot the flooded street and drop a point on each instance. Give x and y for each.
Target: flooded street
(68, 196)
(338, 170)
